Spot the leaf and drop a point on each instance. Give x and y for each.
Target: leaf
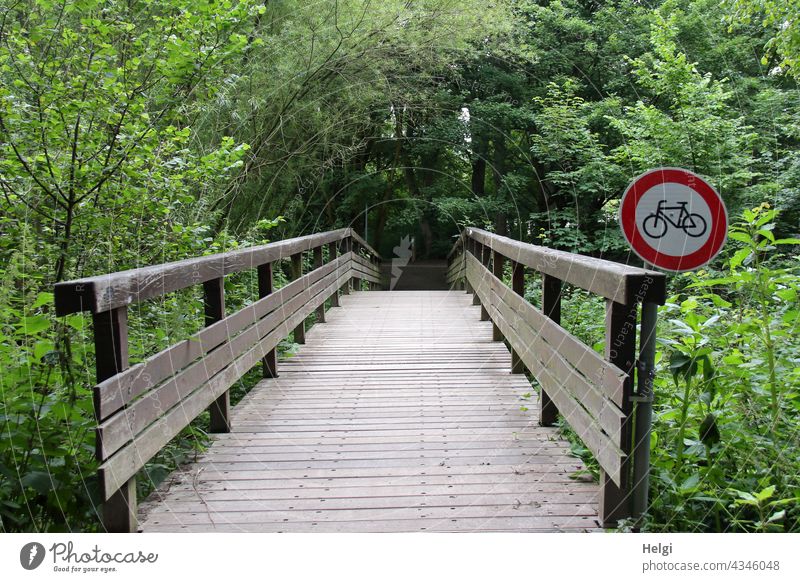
(766, 234)
(741, 237)
(709, 433)
(717, 281)
(734, 358)
(719, 301)
(41, 348)
(790, 316)
(681, 327)
(39, 481)
(765, 218)
(689, 304)
(746, 498)
(682, 365)
(43, 298)
(777, 516)
(766, 493)
(76, 321)
(35, 324)
(690, 484)
(738, 257)
(787, 241)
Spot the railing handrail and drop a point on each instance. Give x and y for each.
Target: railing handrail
(365, 245)
(101, 293)
(621, 283)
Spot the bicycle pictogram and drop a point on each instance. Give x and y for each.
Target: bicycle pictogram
(657, 224)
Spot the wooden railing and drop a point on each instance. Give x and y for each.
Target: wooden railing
(595, 395)
(140, 408)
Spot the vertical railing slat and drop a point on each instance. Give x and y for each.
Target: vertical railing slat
(551, 307)
(518, 286)
(344, 248)
(355, 248)
(297, 272)
(332, 253)
(266, 285)
(498, 262)
(214, 307)
(320, 312)
(482, 257)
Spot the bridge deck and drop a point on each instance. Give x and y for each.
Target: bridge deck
(399, 414)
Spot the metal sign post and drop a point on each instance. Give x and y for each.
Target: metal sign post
(675, 221)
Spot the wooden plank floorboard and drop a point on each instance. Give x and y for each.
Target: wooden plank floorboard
(399, 414)
(411, 495)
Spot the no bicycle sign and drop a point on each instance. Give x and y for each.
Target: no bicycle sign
(673, 219)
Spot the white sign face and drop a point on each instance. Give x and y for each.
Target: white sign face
(673, 219)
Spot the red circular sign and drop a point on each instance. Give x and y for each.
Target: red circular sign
(673, 219)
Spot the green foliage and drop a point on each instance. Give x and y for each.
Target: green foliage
(727, 389)
(99, 171)
(692, 126)
(782, 19)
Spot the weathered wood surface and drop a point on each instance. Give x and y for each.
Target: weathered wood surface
(550, 353)
(193, 389)
(114, 393)
(104, 292)
(398, 414)
(620, 283)
(455, 270)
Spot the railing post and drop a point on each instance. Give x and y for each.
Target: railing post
(615, 500)
(111, 358)
(214, 306)
(469, 247)
(356, 282)
(371, 260)
(376, 286)
(297, 272)
(551, 306)
(344, 247)
(518, 286)
(320, 313)
(265, 287)
(498, 261)
(332, 257)
(484, 255)
(481, 255)
(463, 258)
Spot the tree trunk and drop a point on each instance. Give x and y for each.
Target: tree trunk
(498, 175)
(478, 167)
(501, 223)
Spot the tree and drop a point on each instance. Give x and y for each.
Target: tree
(783, 20)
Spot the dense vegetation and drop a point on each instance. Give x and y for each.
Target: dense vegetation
(134, 133)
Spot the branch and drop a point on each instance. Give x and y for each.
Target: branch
(26, 166)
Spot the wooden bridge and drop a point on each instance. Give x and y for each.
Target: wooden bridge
(401, 411)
